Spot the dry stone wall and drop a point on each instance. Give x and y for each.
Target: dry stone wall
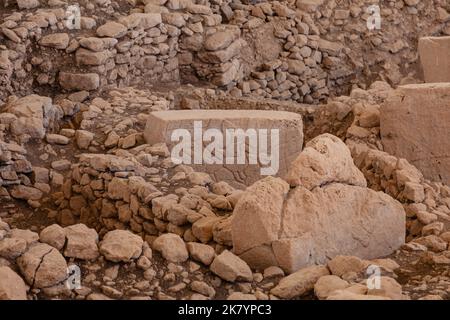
(283, 50)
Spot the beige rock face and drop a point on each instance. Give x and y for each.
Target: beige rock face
(433, 53)
(161, 125)
(295, 228)
(415, 126)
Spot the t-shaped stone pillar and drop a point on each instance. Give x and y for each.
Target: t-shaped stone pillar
(237, 146)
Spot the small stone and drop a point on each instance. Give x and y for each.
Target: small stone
(241, 296)
(389, 288)
(112, 29)
(172, 247)
(203, 288)
(272, 272)
(201, 252)
(12, 287)
(57, 139)
(121, 245)
(61, 165)
(300, 282)
(231, 268)
(11, 248)
(341, 265)
(55, 40)
(26, 193)
(326, 285)
(54, 235)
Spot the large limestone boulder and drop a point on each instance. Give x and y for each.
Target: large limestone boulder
(299, 227)
(415, 125)
(79, 81)
(433, 53)
(162, 125)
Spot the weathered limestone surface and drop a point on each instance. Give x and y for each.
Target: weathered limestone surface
(415, 125)
(330, 212)
(162, 124)
(433, 53)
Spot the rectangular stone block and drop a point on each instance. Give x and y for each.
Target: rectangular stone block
(276, 140)
(435, 59)
(79, 81)
(415, 125)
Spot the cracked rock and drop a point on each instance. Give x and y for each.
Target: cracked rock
(42, 266)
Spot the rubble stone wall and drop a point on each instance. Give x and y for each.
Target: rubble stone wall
(283, 50)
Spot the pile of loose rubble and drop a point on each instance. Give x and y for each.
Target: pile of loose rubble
(88, 185)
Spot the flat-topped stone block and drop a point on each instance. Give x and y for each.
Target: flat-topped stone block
(237, 146)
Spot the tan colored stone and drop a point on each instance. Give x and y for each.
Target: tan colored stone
(414, 126)
(257, 216)
(325, 159)
(389, 288)
(201, 252)
(433, 53)
(81, 242)
(172, 247)
(121, 245)
(12, 286)
(341, 265)
(300, 282)
(231, 268)
(42, 266)
(326, 285)
(55, 40)
(79, 81)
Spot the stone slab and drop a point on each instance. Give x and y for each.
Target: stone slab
(161, 125)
